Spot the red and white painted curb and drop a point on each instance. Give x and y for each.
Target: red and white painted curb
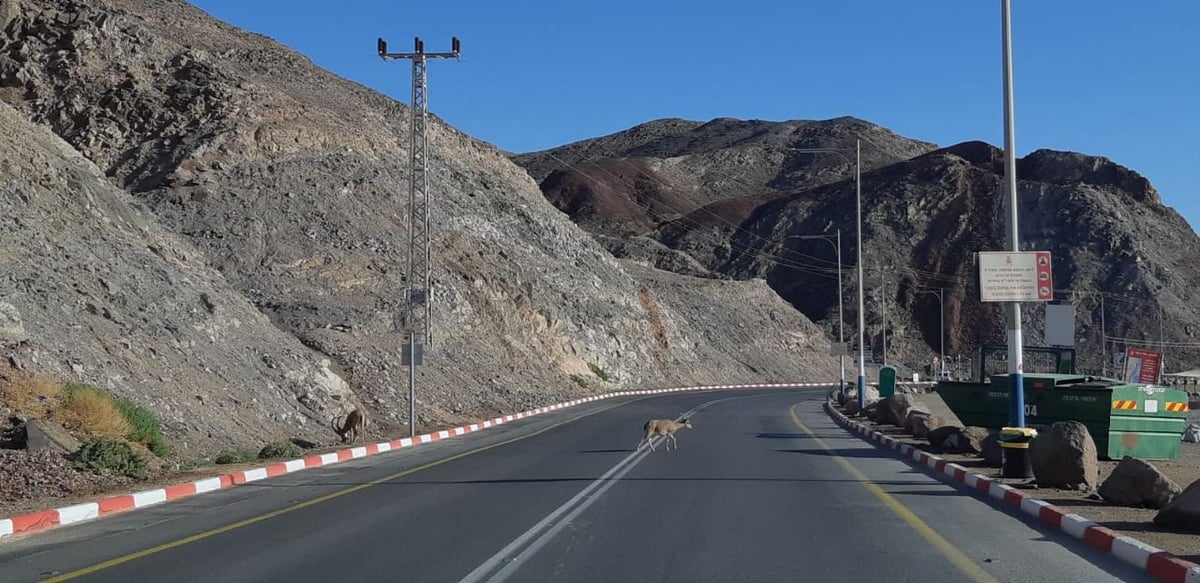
(46, 519)
(1158, 563)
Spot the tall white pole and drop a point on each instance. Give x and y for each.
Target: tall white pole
(841, 324)
(862, 363)
(1016, 364)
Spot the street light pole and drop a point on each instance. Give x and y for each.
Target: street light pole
(862, 364)
(883, 311)
(841, 319)
(1016, 364)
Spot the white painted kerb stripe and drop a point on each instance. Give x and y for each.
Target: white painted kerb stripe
(329, 459)
(255, 474)
(358, 452)
(971, 480)
(998, 490)
(293, 465)
(6, 527)
(1193, 574)
(78, 513)
(207, 485)
(1076, 525)
(149, 497)
(1032, 506)
(1133, 551)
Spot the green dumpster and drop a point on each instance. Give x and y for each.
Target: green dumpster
(1143, 421)
(887, 381)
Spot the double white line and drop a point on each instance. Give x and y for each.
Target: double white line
(503, 564)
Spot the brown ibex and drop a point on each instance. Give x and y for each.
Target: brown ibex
(664, 427)
(355, 424)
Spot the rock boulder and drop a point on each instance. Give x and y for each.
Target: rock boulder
(1139, 484)
(1064, 456)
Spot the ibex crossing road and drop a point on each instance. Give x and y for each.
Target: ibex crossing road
(664, 427)
(355, 424)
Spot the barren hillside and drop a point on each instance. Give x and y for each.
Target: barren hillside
(285, 180)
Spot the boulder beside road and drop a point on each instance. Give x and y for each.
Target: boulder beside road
(1137, 483)
(1064, 456)
(1183, 511)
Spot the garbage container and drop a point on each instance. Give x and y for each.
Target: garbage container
(1143, 421)
(1014, 443)
(887, 381)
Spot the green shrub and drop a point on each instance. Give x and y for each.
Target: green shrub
(282, 449)
(599, 372)
(146, 428)
(111, 455)
(236, 456)
(579, 380)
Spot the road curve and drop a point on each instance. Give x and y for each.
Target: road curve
(765, 488)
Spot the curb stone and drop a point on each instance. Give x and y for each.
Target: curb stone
(77, 513)
(1159, 564)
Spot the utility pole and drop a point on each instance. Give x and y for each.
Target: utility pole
(1162, 345)
(418, 314)
(1103, 340)
(841, 319)
(883, 310)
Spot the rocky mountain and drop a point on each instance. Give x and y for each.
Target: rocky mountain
(663, 169)
(926, 211)
(93, 288)
(265, 182)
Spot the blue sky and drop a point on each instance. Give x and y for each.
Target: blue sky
(1116, 79)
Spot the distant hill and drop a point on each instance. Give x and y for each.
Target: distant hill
(926, 211)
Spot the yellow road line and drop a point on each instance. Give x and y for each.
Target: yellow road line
(960, 560)
(209, 533)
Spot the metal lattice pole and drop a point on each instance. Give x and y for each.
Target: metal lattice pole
(419, 246)
(418, 304)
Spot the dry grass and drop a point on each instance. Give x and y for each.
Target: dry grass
(93, 412)
(34, 396)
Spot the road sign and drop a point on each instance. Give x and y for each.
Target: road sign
(1141, 365)
(1060, 325)
(1024, 276)
(839, 349)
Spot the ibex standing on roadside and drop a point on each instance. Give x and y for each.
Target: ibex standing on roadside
(355, 424)
(664, 427)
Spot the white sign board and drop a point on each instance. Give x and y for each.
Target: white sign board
(839, 349)
(1015, 276)
(1060, 325)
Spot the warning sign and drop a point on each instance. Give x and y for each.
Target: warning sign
(1015, 277)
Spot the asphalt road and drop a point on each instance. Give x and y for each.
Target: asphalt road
(765, 488)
